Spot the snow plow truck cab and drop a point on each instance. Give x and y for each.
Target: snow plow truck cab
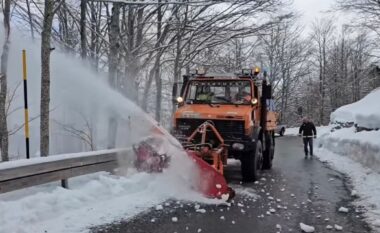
(222, 116)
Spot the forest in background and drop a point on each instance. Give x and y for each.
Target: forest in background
(146, 46)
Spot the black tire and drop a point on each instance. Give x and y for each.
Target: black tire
(269, 152)
(252, 163)
(282, 132)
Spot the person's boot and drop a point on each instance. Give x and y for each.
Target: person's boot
(305, 155)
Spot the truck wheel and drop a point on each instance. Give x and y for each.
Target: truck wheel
(269, 152)
(252, 163)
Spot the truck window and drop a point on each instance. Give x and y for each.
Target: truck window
(219, 92)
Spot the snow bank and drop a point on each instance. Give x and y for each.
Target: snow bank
(92, 200)
(362, 147)
(52, 158)
(365, 112)
(364, 180)
(99, 199)
(356, 154)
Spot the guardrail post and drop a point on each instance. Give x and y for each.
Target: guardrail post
(65, 183)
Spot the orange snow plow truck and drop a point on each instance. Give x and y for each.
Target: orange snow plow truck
(221, 116)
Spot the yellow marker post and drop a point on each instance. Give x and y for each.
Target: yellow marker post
(26, 111)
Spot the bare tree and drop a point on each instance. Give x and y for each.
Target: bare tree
(322, 36)
(50, 9)
(83, 37)
(84, 133)
(286, 55)
(367, 11)
(114, 31)
(3, 83)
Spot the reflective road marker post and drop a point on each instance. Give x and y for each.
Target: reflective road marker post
(25, 103)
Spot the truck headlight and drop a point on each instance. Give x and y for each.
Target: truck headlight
(238, 146)
(179, 99)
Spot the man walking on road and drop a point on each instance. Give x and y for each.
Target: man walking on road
(308, 132)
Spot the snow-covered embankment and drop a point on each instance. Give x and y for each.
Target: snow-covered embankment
(357, 154)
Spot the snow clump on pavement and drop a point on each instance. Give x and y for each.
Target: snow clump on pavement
(306, 228)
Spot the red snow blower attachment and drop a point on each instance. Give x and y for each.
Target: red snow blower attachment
(148, 159)
(208, 160)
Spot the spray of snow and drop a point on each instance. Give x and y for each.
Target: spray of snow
(80, 98)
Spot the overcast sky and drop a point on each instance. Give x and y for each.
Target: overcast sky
(312, 9)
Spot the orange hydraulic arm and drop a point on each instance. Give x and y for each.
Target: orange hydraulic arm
(217, 156)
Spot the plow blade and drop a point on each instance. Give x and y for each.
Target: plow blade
(211, 183)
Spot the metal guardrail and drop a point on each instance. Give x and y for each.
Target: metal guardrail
(28, 175)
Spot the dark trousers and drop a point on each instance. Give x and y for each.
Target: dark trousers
(306, 142)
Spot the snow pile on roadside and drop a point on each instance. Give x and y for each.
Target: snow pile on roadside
(92, 200)
(364, 180)
(99, 198)
(365, 112)
(357, 154)
(362, 147)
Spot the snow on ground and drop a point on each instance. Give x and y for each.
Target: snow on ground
(365, 112)
(99, 198)
(294, 131)
(291, 131)
(94, 199)
(40, 160)
(362, 147)
(306, 228)
(356, 154)
(365, 182)
(246, 192)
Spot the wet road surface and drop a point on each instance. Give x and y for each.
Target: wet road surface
(295, 190)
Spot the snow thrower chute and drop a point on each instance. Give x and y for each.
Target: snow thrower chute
(209, 161)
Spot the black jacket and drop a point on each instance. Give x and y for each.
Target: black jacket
(308, 129)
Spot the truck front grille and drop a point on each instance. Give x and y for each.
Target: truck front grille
(227, 128)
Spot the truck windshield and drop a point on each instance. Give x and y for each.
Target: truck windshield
(219, 92)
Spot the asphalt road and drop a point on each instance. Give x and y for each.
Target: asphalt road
(295, 190)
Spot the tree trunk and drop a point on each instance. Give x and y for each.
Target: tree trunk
(148, 84)
(3, 84)
(95, 24)
(45, 76)
(83, 38)
(30, 19)
(114, 29)
(177, 69)
(157, 74)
